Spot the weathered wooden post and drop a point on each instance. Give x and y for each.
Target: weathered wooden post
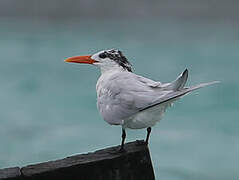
(105, 164)
(13, 173)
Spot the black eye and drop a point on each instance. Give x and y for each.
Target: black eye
(102, 55)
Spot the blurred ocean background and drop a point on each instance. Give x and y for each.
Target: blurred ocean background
(48, 107)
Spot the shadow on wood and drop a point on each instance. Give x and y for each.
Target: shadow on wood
(105, 164)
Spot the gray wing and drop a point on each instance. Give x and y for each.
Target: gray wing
(125, 94)
(130, 93)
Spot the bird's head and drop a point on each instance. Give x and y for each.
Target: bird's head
(106, 60)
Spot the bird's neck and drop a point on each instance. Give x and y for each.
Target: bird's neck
(106, 75)
(111, 69)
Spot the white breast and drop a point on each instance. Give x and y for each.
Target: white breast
(105, 99)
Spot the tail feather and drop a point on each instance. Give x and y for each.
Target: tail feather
(189, 89)
(177, 94)
(179, 83)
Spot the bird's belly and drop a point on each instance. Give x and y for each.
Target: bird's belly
(146, 118)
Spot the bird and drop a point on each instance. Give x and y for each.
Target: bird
(130, 100)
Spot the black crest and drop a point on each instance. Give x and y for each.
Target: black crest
(118, 57)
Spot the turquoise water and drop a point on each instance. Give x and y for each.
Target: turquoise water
(48, 108)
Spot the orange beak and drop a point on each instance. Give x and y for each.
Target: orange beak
(81, 59)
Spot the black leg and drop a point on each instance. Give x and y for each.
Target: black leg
(148, 133)
(123, 139)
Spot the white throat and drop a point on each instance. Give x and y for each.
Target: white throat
(110, 67)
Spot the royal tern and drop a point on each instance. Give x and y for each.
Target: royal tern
(130, 100)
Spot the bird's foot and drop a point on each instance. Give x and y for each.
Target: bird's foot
(122, 150)
(140, 142)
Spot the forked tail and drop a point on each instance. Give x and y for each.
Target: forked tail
(178, 89)
(179, 83)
